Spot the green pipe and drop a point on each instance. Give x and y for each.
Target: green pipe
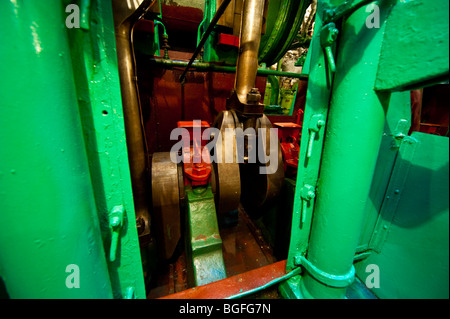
(85, 13)
(289, 275)
(295, 272)
(204, 66)
(136, 144)
(159, 23)
(353, 137)
(275, 84)
(48, 221)
(205, 19)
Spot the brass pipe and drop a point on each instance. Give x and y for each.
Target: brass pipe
(250, 38)
(124, 21)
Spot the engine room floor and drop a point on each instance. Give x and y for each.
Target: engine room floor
(244, 249)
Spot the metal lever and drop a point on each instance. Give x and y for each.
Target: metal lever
(315, 125)
(116, 223)
(328, 36)
(307, 193)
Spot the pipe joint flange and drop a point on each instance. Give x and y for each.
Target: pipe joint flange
(341, 281)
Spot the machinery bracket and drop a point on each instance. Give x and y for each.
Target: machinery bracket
(330, 280)
(328, 36)
(203, 242)
(401, 131)
(317, 121)
(307, 194)
(115, 222)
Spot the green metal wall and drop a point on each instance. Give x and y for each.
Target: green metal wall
(365, 112)
(411, 238)
(49, 218)
(63, 158)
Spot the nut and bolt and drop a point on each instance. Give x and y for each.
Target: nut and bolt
(253, 96)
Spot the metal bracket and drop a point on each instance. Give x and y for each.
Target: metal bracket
(324, 277)
(328, 36)
(115, 222)
(400, 132)
(307, 193)
(316, 123)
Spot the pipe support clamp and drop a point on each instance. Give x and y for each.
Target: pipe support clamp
(335, 281)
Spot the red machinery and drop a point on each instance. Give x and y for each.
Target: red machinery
(289, 135)
(197, 171)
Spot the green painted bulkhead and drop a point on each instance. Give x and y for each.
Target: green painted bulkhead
(367, 214)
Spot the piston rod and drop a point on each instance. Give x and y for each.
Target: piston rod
(250, 39)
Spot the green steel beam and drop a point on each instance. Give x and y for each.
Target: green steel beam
(98, 89)
(205, 66)
(275, 92)
(49, 219)
(317, 100)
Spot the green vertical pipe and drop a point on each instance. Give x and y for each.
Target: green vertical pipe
(48, 219)
(208, 49)
(273, 80)
(354, 131)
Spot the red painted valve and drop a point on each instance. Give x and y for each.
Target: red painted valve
(197, 171)
(289, 135)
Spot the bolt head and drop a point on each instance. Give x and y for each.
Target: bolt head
(329, 14)
(140, 225)
(297, 260)
(253, 96)
(115, 221)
